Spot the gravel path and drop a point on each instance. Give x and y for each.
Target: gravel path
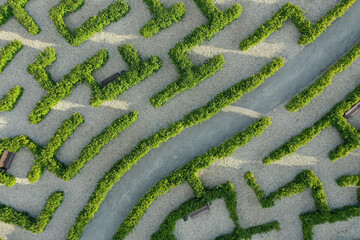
(158, 163)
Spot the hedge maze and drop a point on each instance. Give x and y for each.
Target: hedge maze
(16, 8)
(309, 31)
(195, 117)
(187, 173)
(316, 89)
(82, 73)
(45, 156)
(190, 75)
(333, 118)
(304, 180)
(95, 24)
(162, 17)
(24, 220)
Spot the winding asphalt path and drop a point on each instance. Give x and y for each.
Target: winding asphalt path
(297, 74)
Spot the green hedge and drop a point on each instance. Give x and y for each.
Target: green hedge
(198, 116)
(228, 192)
(316, 89)
(304, 180)
(16, 8)
(8, 102)
(7, 180)
(45, 157)
(24, 220)
(309, 220)
(95, 24)
(190, 75)
(14, 145)
(162, 17)
(334, 118)
(308, 179)
(8, 52)
(188, 173)
(308, 30)
(138, 71)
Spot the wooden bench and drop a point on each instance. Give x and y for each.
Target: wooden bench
(200, 211)
(354, 109)
(6, 160)
(112, 78)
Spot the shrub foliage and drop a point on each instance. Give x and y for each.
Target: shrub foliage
(316, 89)
(334, 118)
(95, 24)
(45, 157)
(304, 180)
(197, 116)
(309, 31)
(24, 220)
(16, 8)
(190, 75)
(138, 71)
(162, 17)
(8, 52)
(8, 102)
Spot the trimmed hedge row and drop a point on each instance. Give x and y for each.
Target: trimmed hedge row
(16, 8)
(304, 180)
(24, 220)
(309, 31)
(95, 24)
(228, 192)
(190, 75)
(8, 52)
(138, 71)
(299, 184)
(316, 89)
(162, 17)
(309, 220)
(45, 156)
(14, 145)
(187, 173)
(334, 117)
(8, 102)
(200, 115)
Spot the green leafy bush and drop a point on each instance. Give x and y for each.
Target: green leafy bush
(198, 116)
(16, 8)
(7, 180)
(95, 24)
(45, 156)
(14, 145)
(8, 52)
(309, 31)
(309, 220)
(190, 75)
(138, 71)
(24, 220)
(334, 118)
(316, 89)
(187, 173)
(162, 17)
(304, 180)
(8, 102)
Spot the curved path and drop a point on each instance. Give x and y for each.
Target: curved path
(296, 75)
